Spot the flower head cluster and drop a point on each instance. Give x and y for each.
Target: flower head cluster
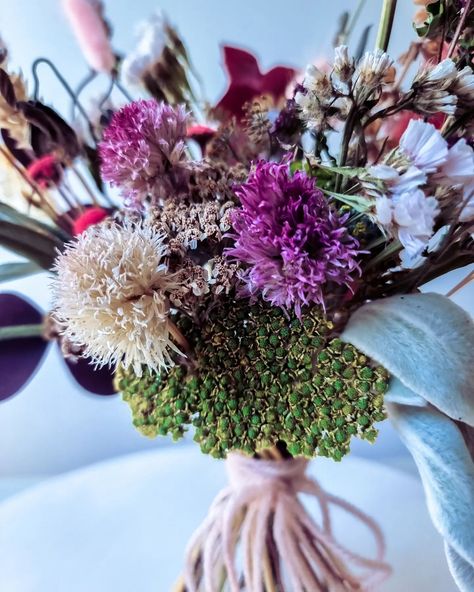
(111, 296)
(291, 240)
(318, 391)
(143, 151)
(326, 95)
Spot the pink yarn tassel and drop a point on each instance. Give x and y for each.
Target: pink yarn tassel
(260, 516)
(86, 20)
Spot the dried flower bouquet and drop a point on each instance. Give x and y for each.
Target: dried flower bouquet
(245, 255)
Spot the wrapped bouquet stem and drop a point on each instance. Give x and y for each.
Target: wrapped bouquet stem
(261, 511)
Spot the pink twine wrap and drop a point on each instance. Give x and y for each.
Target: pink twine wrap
(90, 29)
(260, 516)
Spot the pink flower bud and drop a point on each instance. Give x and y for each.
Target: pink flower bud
(91, 31)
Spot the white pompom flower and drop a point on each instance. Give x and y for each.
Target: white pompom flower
(111, 296)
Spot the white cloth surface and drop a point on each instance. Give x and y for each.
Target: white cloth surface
(122, 526)
(427, 343)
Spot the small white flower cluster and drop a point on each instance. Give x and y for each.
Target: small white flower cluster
(326, 95)
(443, 89)
(406, 206)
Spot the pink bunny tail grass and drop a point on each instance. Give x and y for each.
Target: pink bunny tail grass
(90, 29)
(260, 519)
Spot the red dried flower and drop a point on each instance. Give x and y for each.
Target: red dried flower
(91, 216)
(45, 171)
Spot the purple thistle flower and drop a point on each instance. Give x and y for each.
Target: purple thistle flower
(143, 150)
(293, 242)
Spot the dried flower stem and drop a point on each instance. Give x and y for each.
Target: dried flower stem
(84, 183)
(66, 87)
(459, 28)
(48, 208)
(460, 285)
(386, 22)
(178, 336)
(21, 331)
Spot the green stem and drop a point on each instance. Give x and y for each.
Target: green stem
(346, 138)
(21, 331)
(385, 25)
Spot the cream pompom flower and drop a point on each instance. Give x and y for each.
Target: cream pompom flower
(111, 296)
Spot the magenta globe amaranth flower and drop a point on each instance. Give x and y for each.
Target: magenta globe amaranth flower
(293, 242)
(143, 150)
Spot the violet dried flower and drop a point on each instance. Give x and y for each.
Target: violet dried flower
(292, 241)
(143, 151)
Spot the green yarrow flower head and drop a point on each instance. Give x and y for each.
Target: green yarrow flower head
(260, 378)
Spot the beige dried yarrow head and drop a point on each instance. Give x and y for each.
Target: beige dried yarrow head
(111, 295)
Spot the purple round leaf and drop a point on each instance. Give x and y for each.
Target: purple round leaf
(97, 382)
(19, 358)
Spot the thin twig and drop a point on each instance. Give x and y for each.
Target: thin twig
(459, 28)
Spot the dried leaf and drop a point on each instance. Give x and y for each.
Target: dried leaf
(21, 155)
(28, 243)
(49, 131)
(6, 88)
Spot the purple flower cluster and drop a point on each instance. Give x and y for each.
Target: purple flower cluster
(292, 241)
(143, 150)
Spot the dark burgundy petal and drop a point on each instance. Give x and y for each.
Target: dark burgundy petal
(242, 67)
(276, 80)
(235, 98)
(246, 82)
(98, 382)
(19, 358)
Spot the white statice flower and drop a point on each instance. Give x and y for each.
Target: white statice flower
(467, 213)
(414, 215)
(459, 165)
(369, 74)
(424, 146)
(343, 64)
(397, 182)
(409, 216)
(414, 257)
(110, 294)
(152, 38)
(384, 211)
